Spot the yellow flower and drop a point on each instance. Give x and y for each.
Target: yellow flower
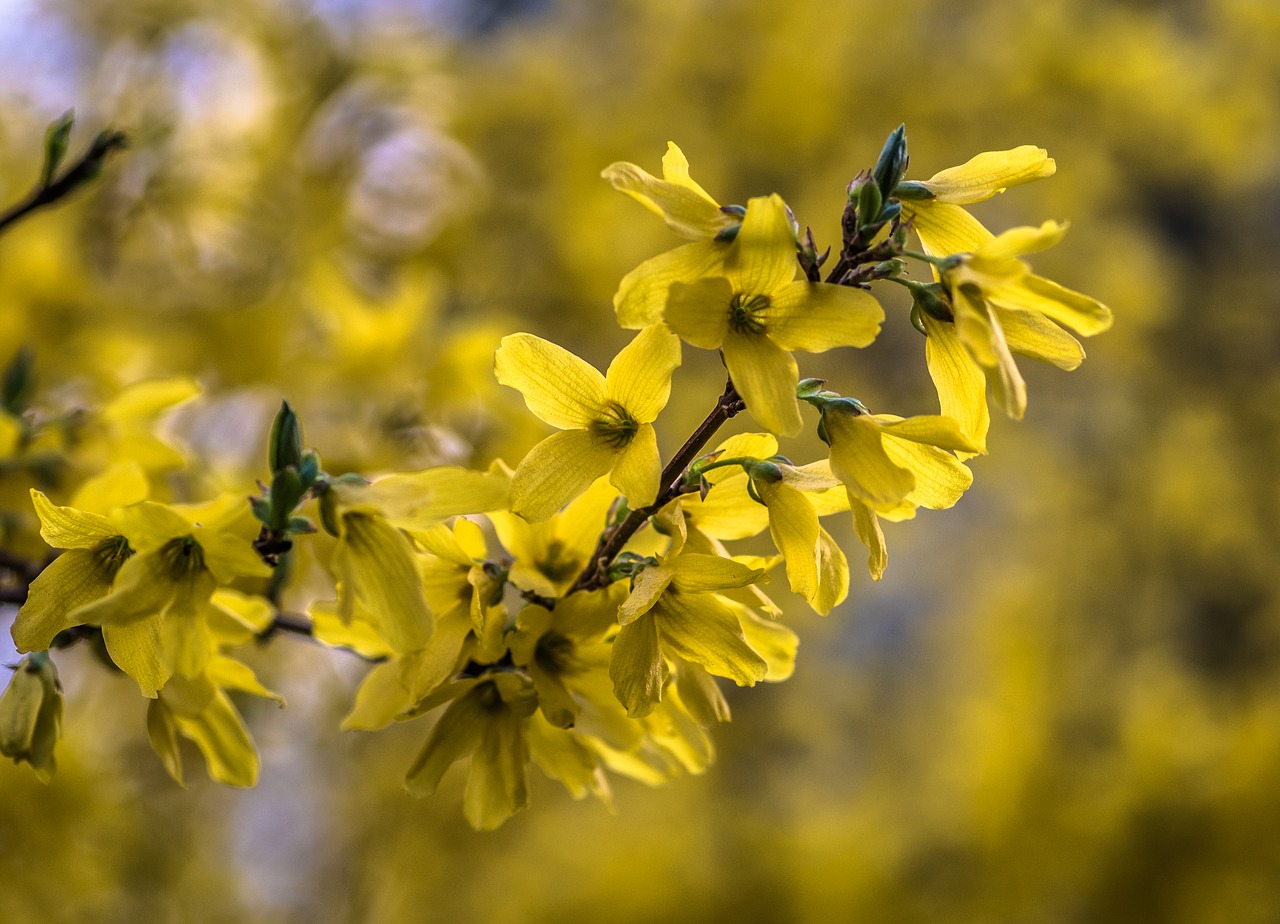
(1001, 308)
(607, 420)
(687, 210)
(198, 709)
(156, 620)
(674, 612)
(933, 205)
(685, 206)
(889, 466)
(95, 551)
(487, 721)
(31, 715)
(756, 314)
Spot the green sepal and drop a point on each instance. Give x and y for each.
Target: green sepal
(329, 512)
(869, 203)
(912, 191)
(261, 510)
(301, 525)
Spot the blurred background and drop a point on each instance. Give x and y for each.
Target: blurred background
(1063, 702)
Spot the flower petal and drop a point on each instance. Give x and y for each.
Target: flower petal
(637, 667)
(945, 229)
(766, 376)
(814, 316)
(867, 527)
(793, 524)
(558, 387)
(1084, 315)
(699, 311)
(556, 471)
(642, 294)
(73, 579)
(935, 430)
(639, 378)
(989, 173)
(1032, 334)
(940, 477)
(762, 258)
(702, 629)
(637, 468)
(858, 459)
(69, 528)
(682, 203)
(695, 572)
(961, 386)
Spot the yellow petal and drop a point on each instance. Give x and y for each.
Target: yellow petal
(695, 573)
(648, 586)
(135, 649)
(558, 387)
(701, 629)
(990, 173)
(766, 376)
(833, 575)
(772, 641)
(1084, 315)
(379, 699)
(639, 378)
(945, 229)
(556, 471)
(233, 675)
(432, 496)
(642, 294)
(762, 258)
(1017, 241)
(637, 469)
(497, 786)
(455, 735)
(940, 431)
(858, 459)
(163, 734)
(699, 311)
(1032, 334)
(377, 567)
(119, 485)
(867, 527)
(682, 203)
(144, 400)
(940, 478)
(961, 386)
(728, 511)
(68, 528)
(73, 579)
(793, 524)
(220, 735)
(701, 695)
(637, 667)
(814, 316)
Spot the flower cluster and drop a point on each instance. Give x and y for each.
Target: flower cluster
(579, 612)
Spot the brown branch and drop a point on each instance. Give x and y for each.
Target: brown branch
(728, 406)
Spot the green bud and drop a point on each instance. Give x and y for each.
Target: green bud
(31, 715)
(916, 320)
(285, 450)
(19, 383)
(869, 203)
(912, 191)
(892, 163)
(889, 269)
(301, 525)
(56, 139)
(329, 511)
(261, 510)
(309, 470)
(809, 387)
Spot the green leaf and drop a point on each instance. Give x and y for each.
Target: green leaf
(56, 139)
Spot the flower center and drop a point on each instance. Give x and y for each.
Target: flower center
(554, 653)
(183, 556)
(742, 313)
(617, 427)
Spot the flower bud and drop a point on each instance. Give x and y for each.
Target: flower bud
(31, 715)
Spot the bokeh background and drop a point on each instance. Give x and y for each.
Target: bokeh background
(1063, 702)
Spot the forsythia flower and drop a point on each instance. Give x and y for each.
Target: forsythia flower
(199, 709)
(889, 466)
(933, 205)
(1000, 307)
(31, 715)
(688, 211)
(756, 314)
(607, 420)
(673, 610)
